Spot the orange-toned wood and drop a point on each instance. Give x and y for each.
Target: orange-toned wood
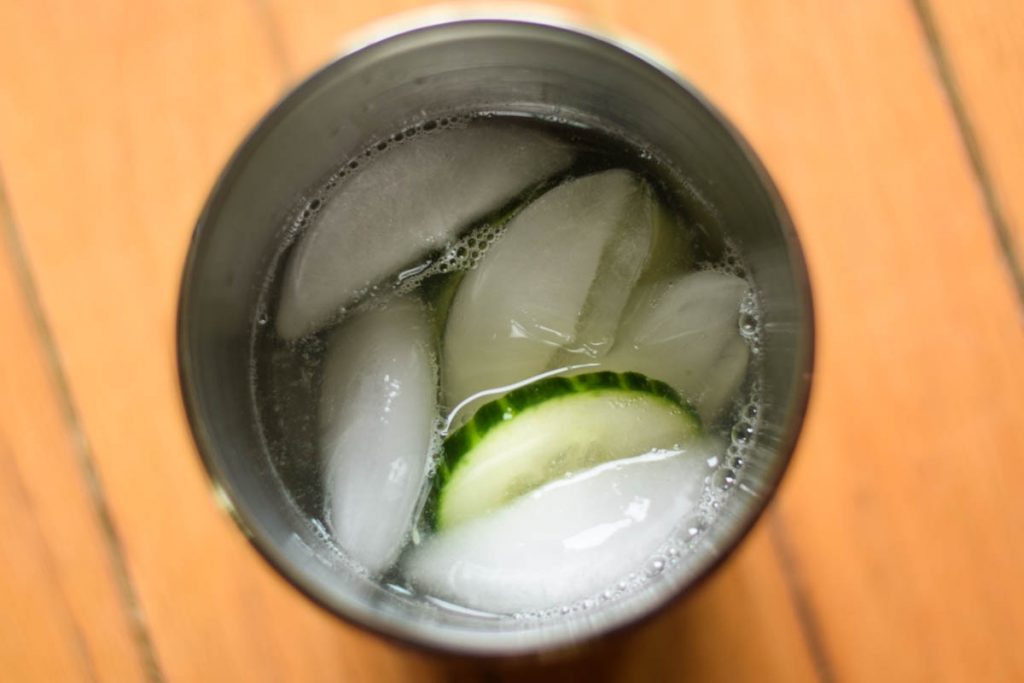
(901, 508)
(741, 626)
(891, 554)
(981, 42)
(310, 33)
(114, 120)
(63, 614)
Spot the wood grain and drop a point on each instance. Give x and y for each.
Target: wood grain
(64, 615)
(900, 507)
(979, 43)
(128, 128)
(891, 553)
(311, 33)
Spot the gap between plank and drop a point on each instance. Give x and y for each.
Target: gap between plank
(791, 576)
(997, 219)
(80, 443)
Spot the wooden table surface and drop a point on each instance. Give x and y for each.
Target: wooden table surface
(895, 129)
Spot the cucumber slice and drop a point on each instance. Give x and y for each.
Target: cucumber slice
(550, 429)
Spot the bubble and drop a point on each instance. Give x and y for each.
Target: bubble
(742, 433)
(748, 324)
(736, 463)
(382, 145)
(430, 125)
(262, 319)
(724, 479)
(656, 567)
(694, 528)
(750, 411)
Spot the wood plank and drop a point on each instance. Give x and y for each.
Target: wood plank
(723, 632)
(979, 43)
(115, 118)
(311, 33)
(64, 616)
(900, 508)
(40, 639)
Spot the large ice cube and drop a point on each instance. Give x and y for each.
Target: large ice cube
(377, 411)
(688, 336)
(632, 261)
(408, 201)
(557, 279)
(565, 541)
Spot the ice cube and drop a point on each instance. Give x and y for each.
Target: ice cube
(565, 541)
(722, 382)
(631, 259)
(688, 336)
(409, 200)
(377, 410)
(557, 279)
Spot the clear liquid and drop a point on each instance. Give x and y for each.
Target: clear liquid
(287, 375)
